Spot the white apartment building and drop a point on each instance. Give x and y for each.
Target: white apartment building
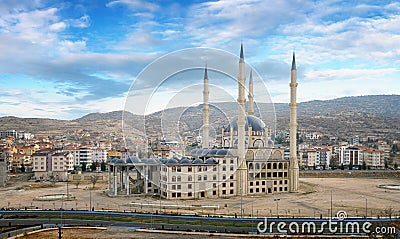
(99, 155)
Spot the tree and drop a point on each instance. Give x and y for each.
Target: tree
(93, 179)
(84, 166)
(103, 166)
(93, 166)
(23, 168)
(364, 166)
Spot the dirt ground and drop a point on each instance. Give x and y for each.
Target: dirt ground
(352, 195)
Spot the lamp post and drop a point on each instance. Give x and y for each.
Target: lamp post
(277, 206)
(90, 199)
(366, 206)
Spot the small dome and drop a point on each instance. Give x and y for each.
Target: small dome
(213, 151)
(204, 152)
(133, 160)
(112, 161)
(256, 124)
(171, 161)
(195, 152)
(223, 152)
(151, 161)
(198, 161)
(211, 161)
(120, 161)
(185, 160)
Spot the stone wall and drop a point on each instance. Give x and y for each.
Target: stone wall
(351, 174)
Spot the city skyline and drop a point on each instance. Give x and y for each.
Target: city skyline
(64, 60)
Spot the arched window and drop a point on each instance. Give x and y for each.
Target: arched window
(259, 143)
(280, 166)
(190, 178)
(223, 177)
(274, 165)
(179, 179)
(173, 179)
(224, 168)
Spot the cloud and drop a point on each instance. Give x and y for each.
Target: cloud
(135, 5)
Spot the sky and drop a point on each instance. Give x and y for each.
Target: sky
(64, 59)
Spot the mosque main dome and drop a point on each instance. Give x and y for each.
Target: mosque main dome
(256, 124)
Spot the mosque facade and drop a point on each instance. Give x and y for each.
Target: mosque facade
(246, 164)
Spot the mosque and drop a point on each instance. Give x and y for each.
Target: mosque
(246, 164)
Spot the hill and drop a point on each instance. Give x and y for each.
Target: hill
(342, 117)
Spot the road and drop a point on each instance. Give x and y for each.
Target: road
(187, 223)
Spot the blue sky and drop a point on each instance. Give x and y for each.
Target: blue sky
(63, 59)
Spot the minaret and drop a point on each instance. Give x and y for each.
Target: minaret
(294, 166)
(250, 110)
(241, 151)
(206, 113)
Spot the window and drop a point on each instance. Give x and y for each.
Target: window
(205, 177)
(231, 168)
(231, 184)
(251, 183)
(178, 187)
(179, 179)
(231, 191)
(214, 177)
(173, 169)
(223, 177)
(174, 195)
(189, 194)
(214, 185)
(178, 169)
(224, 192)
(199, 178)
(189, 186)
(223, 185)
(199, 169)
(173, 179)
(214, 168)
(173, 187)
(189, 169)
(214, 192)
(231, 177)
(231, 161)
(189, 178)
(205, 168)
(224, 168)
(224, 161)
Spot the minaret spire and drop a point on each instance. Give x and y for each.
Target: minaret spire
(241, 150)
(250, 110)
(294, 62)
(294, 166)
(241, 53)
(206, 112)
